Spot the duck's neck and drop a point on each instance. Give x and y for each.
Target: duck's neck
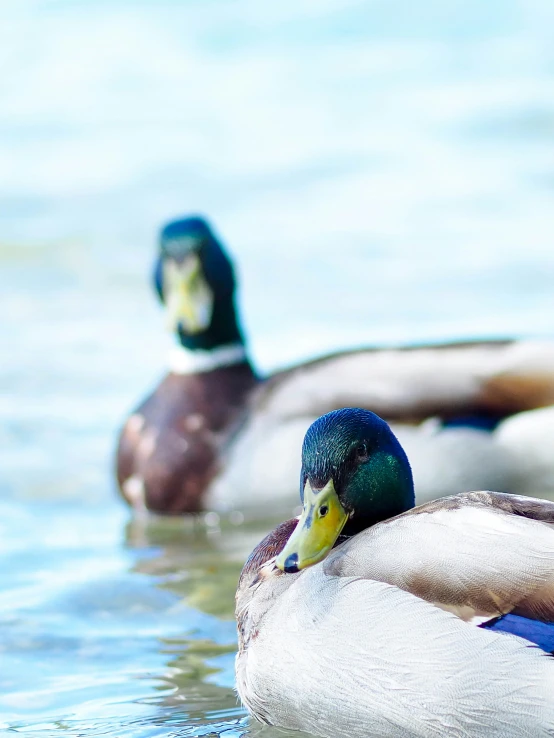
(222, 331)
(384, 490)
(184, 361)
(221, 345)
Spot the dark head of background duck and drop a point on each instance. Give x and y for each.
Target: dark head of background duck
(178, 239)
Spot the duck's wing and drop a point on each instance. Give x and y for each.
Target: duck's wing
(410, 384)
(479, 555)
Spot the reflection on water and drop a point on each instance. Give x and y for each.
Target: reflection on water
(137, 639)
(199, 563)
(381, 174)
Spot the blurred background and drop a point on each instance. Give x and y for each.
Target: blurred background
(382, 172)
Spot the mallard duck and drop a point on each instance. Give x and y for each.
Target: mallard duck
(369, 616)
(213, 435)
(168, 449)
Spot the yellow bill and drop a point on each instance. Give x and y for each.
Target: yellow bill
(187, 296)
(320, 524)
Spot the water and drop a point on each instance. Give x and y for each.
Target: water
(383, 171)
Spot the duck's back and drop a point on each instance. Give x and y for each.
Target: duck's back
(415, 389)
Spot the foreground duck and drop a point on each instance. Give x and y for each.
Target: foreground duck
(369, 617)
(212, 436)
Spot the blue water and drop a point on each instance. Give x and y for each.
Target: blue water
(382, 171)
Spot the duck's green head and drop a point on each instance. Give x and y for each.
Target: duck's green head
(354, 474)
(195, 280)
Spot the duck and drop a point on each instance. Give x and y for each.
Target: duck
(213, 434)
(368, 615)
(168, 448)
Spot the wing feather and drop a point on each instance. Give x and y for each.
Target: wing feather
(479, 555)
(412, 383)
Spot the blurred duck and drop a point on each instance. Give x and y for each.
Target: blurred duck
(419, 622)
(169, 448)
(213, 436)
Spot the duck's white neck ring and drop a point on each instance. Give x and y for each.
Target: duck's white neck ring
(184, 361)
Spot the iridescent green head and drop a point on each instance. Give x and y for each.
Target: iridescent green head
(354, 474)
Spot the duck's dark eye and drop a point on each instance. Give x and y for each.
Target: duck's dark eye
(362, 452)
(323, 510)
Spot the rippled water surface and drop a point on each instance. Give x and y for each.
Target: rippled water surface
(383, 171)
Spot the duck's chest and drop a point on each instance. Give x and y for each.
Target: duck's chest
(171, 445)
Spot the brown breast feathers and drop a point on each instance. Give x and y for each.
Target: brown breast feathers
(169, 448)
